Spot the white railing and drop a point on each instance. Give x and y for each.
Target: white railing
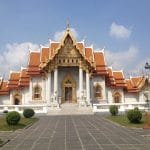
(121, 106)
(102, 107)
(20, 108)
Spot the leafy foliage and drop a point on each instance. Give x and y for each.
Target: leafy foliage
(5, 111)
(12, 118)
(134, 115)
(113, 110)
(28, 113)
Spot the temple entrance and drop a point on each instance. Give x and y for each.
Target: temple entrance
(17, 97)
(68, 90)
(68, 94)
(16, 101)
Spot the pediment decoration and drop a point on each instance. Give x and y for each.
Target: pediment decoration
(68, 48)
(68, 54)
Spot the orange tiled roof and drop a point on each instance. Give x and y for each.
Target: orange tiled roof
(134, 84)
(52, 49)
(3, 88)
(100, 63)
(81, 47)
(1, 80)
(89, 54)
(34, 59)
(136, 81)
(110, 81)
(119, 79)
(24, 78)
(44, 55)
(14, 80)
(34, 62)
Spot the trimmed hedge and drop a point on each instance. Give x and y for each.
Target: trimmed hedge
(12, 118)
(134, 115)
(28, 113)
(5, 111)
(113, 110)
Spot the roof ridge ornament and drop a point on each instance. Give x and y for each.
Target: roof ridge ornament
(68, 24)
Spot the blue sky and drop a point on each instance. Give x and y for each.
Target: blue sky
(32, 22)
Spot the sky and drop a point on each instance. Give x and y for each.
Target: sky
(121, 28)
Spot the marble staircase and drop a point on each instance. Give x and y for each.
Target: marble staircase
(70, 109)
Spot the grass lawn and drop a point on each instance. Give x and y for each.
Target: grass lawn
(1, 141)
(123, 120)
(22, 124)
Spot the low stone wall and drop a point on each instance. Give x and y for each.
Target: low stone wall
(123, 107)
(20, 108)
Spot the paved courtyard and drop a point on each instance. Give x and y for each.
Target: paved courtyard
(82, 132)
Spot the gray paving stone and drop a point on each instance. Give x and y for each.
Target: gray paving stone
(8, 147)
(41, 146)
(109, 147)
(88, 132)
(91, 147)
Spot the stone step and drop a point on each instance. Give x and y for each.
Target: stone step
(70, 109)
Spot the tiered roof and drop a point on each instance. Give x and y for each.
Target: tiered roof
(34, 62)
(37, 60)
(13, 81)
(134, 84)
(3, 88)
(101, 68)
(119, 79)
(24, 78)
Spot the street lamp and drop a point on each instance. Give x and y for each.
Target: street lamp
(147, 66)
(147, 93)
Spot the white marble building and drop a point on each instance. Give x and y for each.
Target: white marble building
(69, 72)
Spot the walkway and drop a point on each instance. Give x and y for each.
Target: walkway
(82, 132)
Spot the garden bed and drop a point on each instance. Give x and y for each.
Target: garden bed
(3, 142)
(123, 120)
(24, 122)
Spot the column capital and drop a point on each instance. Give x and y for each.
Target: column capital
(80, 66)
(87, 71)
(56, 67)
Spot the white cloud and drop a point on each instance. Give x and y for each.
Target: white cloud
(14, 56)
(123, 60)
(59, 34)
(119, 31)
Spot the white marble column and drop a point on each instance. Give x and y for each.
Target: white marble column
(56, 82)
(87, 86)
(48, 87)
(30, 89)
(80, 81)
(43, 89)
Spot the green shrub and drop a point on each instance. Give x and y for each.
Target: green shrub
(134, 115)
(5, 111)
(136, 108)
(12, 118)
(113, 110)
(28, 113)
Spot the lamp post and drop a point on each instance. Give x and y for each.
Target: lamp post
(147, 67)
(146, 93)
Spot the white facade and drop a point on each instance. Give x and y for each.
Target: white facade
(70, 75)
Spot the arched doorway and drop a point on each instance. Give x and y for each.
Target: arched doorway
(17, 98)
(116, 97)
(68, 90)
(98, 92)
(16, 101)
